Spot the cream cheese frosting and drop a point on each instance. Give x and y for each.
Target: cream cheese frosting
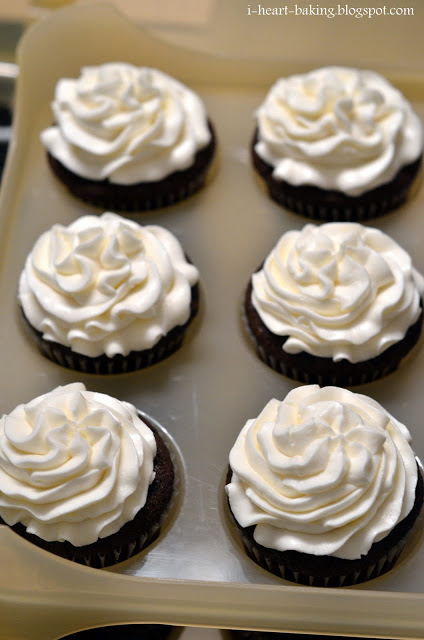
(75, 465)
(337, 128)
(126, 124)
(105, 284)
(324, 472)
(339, 290)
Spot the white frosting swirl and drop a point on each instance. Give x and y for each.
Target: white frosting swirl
(337, 128)
(106, 285)
(125, 123)
(339, 290)
(74, 465)
(325, 472)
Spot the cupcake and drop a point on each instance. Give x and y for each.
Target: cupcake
(83, 476)
(336, 304)
(337, 144)
(107, 295)
(128, 138)
(324, 487)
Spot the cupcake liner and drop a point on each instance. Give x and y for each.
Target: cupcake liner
(306, 368)
(330, 571)
(142, 196)
(335, 206)
(375, 569)
(323, 379)
(135, 535)
(119, 554)
(133, 200)
(103, 365)
(303, 204)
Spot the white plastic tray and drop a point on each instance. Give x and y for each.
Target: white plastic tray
(196, 574)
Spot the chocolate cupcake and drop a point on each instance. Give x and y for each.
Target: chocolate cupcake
(129, 138)
(324, 487)
(106, 295)
(337, 144)
(336, 304)
(83, 476)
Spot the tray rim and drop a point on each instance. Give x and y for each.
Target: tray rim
(220, 604)
(205, 604)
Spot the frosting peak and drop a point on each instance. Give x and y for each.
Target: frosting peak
(324, 472)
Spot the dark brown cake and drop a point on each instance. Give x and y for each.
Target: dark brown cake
(135, 535)
(320, 204)
(305, 367)
(144, 195)
(330, 571)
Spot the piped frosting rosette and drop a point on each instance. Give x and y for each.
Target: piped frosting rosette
(106, 285)
(75, 465)
(337, 128)
(324, 472)
(339, 291)
(126, 124)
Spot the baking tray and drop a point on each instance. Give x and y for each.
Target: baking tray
(196, 573)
